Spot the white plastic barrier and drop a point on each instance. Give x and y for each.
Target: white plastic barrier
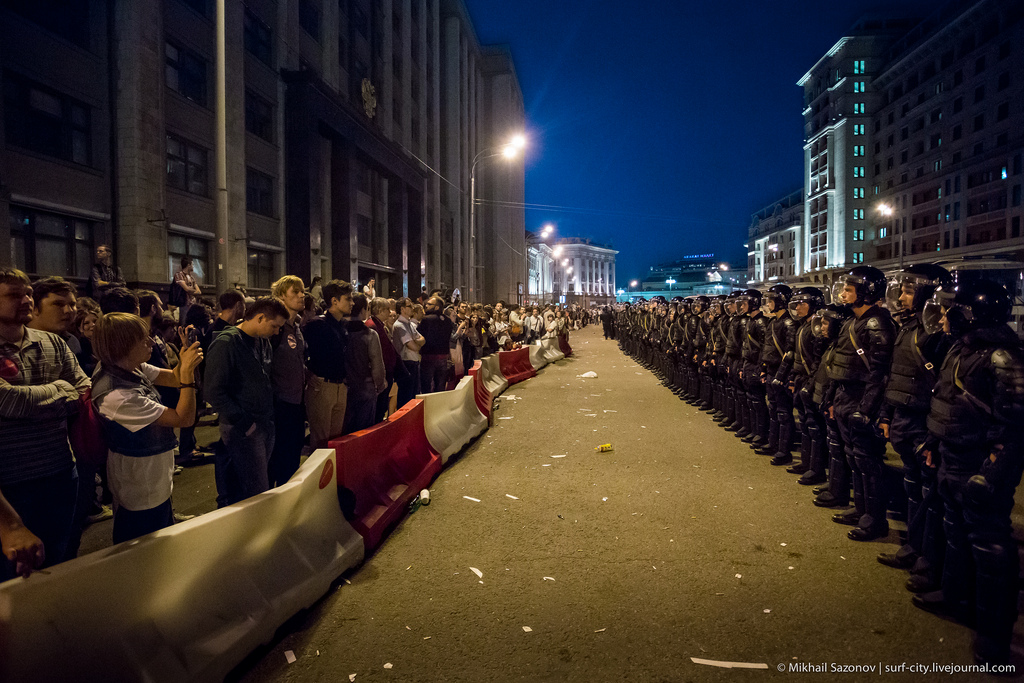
(537, 359)
(550, 350)
(186, 603)
(452, 419)
(490, 373)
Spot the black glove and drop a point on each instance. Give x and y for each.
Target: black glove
(860, 421)
(978, 490)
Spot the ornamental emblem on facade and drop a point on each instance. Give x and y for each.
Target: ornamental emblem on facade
(369, 98)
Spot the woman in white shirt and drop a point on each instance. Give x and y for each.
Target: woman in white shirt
(138, 428)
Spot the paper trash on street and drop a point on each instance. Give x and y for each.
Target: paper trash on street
(509, 495)
(527, 629)
(588, 375)
(476, 571)
(289, 656)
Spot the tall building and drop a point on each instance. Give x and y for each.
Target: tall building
(351, 126)
(776, 240)
(914, 134)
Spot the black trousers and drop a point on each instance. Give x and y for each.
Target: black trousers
(290, 435)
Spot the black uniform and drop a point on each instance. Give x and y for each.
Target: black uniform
(780, 340)
(753, 386)
(859, 368)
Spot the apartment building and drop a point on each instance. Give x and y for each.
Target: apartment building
(350, 126)
(775, 240)
(914, 132)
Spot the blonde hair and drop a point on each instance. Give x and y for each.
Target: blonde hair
(285, 285)
(116, 334)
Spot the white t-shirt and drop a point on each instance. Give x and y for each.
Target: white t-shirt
(403, 332)
(137, 483)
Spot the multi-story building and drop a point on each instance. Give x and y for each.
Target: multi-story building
(350, 131)
(571, 270)
(914, 134)
(775, 240)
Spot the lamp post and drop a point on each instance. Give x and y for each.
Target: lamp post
(509, 151)
(671, 281)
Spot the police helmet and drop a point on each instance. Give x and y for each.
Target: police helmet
(752, 298)
(778, 296)
(829, 319)
(699, 304)
(968, 306)
(811, 296)
(922, 279)
(867, 281)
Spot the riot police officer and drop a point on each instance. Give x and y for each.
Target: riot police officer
(975, 431)
(795, 376)
(859, 369)
(736, 332)
(916, 359)
(780, 338)
(836, 494)
(753, 385)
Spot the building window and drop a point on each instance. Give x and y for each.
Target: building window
(858, 235)
(858, 193)
(309, 18)
(46, 121)
(883, 232)
(259, 116)
(858, 86)
(187, 165)
(858, 66)
(858, 129)
(184, 245)
(858, 150)
(1004, 81)
(858, 214)
(956, 211)
(958, 105)
(50, 244)
(257, 37)
(858, 108)
(979, 94)
(979, 122)
(185, 73)
(1003, 112)
(259, 192)
(858, 171)
(858, 257)
(1016, 195)
(958, 131)
(260, 268)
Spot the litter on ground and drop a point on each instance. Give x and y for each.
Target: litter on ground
(289, 656)
(588, 375)
(511, 496)
(475, 500)
(527, 629)
(476, 571)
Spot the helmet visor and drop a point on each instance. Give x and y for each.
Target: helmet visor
(893, 292)
(800, 307)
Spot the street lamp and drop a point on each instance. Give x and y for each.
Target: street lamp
(509, 150)
(671, 281)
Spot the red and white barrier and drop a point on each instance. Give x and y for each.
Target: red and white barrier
(550, 350)
(186, 603)
(537, 359)
(490, 373)
(384, 467)
(515, 365)
(452, 419)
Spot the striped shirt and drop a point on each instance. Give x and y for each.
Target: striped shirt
(40, 381)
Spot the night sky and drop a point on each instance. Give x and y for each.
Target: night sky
(660, 127)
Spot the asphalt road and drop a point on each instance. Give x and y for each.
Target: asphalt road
(680, 543)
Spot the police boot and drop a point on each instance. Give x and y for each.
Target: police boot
(933, 538)
(742, 415)
(804, 466)
(904, 558)
(784, 455)
(996, 600)
(750, 419)
(772, 445)
(838, 493)
(760, 421)
(873, 523)
(819, 460)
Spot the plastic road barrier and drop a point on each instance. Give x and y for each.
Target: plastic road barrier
(452, 419)
(490, 373)
(537, 359)
(186, 603)
(563, 345)
(515, 365)
(551, 351)
(484, 400)
(384, 467)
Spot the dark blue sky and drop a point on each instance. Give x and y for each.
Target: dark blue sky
(667, 122)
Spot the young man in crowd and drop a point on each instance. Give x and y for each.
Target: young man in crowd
(408, 343)
(379, 311)
(40, 384)
(326, 393)
(437, 330)
(238, 386)
(364, 368)
(104, 274)
(289, 378)
(54, 309)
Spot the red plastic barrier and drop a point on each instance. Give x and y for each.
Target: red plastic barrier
(515, 365)
(480, 392)
(385, 466)
(563, 345)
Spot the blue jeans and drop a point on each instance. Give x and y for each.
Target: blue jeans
(47, 508)
(246, 459)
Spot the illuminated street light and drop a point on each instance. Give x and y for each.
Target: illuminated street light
(723, 266)
(633, 283)
(885, 209)
(565, 262)
(671, 281)
(509, 150)
(557, 252)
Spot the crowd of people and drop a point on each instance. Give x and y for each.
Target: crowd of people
(920, 361)
(279, 374)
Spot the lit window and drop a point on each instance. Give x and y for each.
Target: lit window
(858, 108)
(858, 66)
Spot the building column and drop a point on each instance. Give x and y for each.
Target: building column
(577, 265)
